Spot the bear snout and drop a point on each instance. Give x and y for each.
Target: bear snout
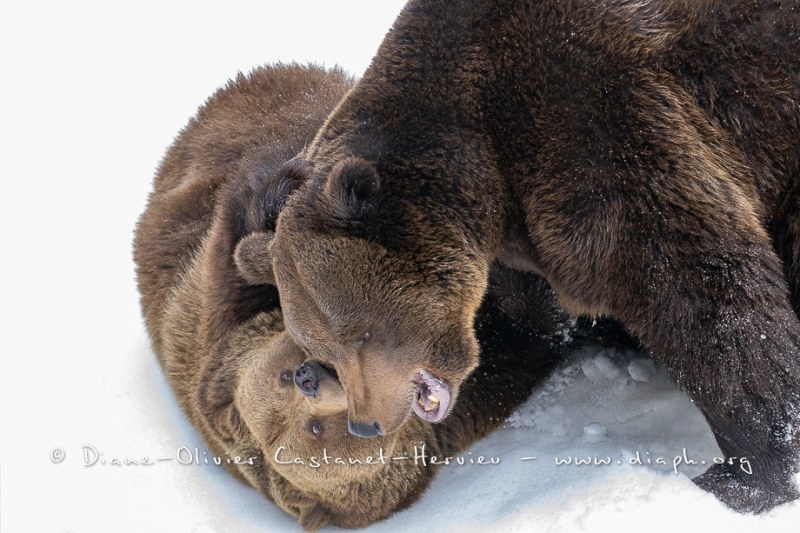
(306, 378)
(321, 387)
(364, 430)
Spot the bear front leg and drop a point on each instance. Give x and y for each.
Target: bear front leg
(710, 300)
(660, 224)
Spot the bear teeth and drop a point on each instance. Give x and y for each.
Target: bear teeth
(429, 402)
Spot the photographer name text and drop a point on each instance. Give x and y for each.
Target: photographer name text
(92, 456)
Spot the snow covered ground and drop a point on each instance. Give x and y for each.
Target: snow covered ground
(92, 93)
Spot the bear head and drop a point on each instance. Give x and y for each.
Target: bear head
(389, 308)
(318, 470)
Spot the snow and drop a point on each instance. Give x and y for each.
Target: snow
(595, 433)
(92, 93)
(641, 369)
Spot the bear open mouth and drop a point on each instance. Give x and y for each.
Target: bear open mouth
(431, 397)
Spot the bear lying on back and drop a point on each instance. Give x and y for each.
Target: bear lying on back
(644, 157)
(216, 325)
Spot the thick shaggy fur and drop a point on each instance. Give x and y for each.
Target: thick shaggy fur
(216, 326)
(643, 156)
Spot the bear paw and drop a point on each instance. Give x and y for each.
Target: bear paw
(744, 493)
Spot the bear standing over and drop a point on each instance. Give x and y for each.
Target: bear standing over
(644, 157)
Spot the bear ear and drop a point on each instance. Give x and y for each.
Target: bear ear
(351, 189)
(268, 191)
(314, 516)
(287, 180)
(252, 259)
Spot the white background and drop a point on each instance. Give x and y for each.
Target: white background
(91, 94)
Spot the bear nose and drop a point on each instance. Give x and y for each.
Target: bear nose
(364, 430)
(306, 379)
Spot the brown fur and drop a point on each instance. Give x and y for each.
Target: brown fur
(643, 156)
(217, 329)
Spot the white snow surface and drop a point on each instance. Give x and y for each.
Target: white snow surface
(92, 93)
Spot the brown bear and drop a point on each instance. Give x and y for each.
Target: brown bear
(643, 157)
(216, 326)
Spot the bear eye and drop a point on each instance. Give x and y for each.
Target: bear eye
(363, 339)
(315, 427)
(286, 377)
